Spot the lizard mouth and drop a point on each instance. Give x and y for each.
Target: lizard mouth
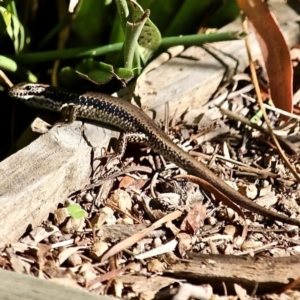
(26, 91)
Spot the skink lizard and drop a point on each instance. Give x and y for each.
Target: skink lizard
(133, 121)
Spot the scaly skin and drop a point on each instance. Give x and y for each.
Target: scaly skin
(130, 119)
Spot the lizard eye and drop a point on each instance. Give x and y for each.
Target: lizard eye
(28, 88)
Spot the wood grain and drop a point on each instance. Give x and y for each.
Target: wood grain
(16, 286)
(189, 80)
(266, 274)
(35, 179)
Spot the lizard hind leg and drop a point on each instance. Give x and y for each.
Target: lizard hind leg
(128, 138)
(121, 147)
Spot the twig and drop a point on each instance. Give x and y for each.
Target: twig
(117, 174)
(255, 126)
(262, 107)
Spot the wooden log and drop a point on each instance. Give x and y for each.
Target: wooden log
(16, 286)
(259, 274)
(35, 179)
(190, 83)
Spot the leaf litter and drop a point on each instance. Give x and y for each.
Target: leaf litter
(128, 244)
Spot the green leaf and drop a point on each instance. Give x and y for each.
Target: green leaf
(6, 15)
(10, 65)
(139, 31)
(132, 33)
(122, 11)
(14, 29)
(150, 37)
(94, 71)
(76, 212)
(97, 76)
(123, 73)
(68, 77)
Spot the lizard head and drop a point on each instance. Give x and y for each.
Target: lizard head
(27, 91)
(40, 95)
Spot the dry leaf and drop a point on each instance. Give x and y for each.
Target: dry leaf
(219, 196)
(274, 50)
(194, 219)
